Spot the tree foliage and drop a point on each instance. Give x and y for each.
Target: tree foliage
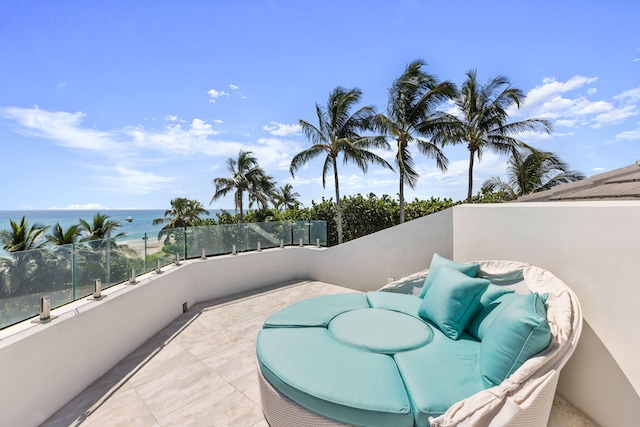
(338, 132)
(482, 122)
(412, 116)
(529, 171)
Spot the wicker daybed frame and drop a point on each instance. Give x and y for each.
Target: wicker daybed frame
(523, 399)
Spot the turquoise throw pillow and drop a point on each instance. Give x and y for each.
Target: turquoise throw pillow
(438, 262)
(488, 312)
(518, 332)
(452, 300)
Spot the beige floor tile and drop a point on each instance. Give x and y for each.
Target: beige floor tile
(179, 388)
(225, 407)
(109, 384)
(123, 408)
(248, 385)
(234, 363)
(167, 360)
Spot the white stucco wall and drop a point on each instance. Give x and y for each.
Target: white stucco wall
(366, 263)
(593, 248)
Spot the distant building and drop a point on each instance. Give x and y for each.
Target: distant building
(618, 184)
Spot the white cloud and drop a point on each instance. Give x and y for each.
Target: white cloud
(548, 101)
(85, 206)
(214, 94)
(233, 87)
(615, 116)
(171, 118)
(130, 181)
(631, 135)
(200, 128)
(281, 129)
(592, 91)
(631, 95)
(62, 127)
(550, 89)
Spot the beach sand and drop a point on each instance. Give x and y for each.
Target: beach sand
(153, 245)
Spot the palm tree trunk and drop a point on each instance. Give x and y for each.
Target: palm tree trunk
(401, 196)
(240, 206)
(338, 205)
(470, 192)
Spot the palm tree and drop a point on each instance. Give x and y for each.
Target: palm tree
(482, 123)
(22, 241)
(529, 171)
(337, 132)
(100, 230)
(60, 237)
(286, 197)
(261, 193)
(183, 213)
(22, 236)
(411, 116)
(246, 176)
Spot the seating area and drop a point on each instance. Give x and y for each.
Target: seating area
(457, 344)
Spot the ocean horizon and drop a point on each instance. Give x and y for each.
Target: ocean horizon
(140, 224)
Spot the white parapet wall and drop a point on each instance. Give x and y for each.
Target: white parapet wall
(593, 248)
(365, 264)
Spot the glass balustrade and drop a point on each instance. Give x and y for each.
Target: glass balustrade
(67, 273)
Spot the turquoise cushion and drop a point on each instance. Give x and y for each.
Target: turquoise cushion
(452, 300)
(316, 311)
(492, 293)
(379, 330)
(517, 333)
(481, 322)
(407, 304)
(333, 379)
(438, 262)
(440, 374)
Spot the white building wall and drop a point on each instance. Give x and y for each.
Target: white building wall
(366, 263)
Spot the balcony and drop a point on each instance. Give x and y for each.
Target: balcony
(136, 357)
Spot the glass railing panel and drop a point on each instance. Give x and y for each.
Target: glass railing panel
(27, 276)
(67, 273)
(300, 230)
(319, 232)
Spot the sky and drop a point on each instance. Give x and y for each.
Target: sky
(120, 104)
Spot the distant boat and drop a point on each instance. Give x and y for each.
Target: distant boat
(129, 218)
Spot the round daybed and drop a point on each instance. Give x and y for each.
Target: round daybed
(459, 344)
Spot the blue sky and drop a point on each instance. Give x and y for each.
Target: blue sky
(120, 104)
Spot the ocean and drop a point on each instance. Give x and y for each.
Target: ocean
(141, 219)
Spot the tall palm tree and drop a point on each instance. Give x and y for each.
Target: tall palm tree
(285, 197)
(337, 132)
(246, 177)
(99, 230)
(411, 116)
(483, 123)
(22, 236)
(183, 213)
(529, 171)
(60, 237)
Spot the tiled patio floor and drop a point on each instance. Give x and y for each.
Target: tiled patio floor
(201, 370)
